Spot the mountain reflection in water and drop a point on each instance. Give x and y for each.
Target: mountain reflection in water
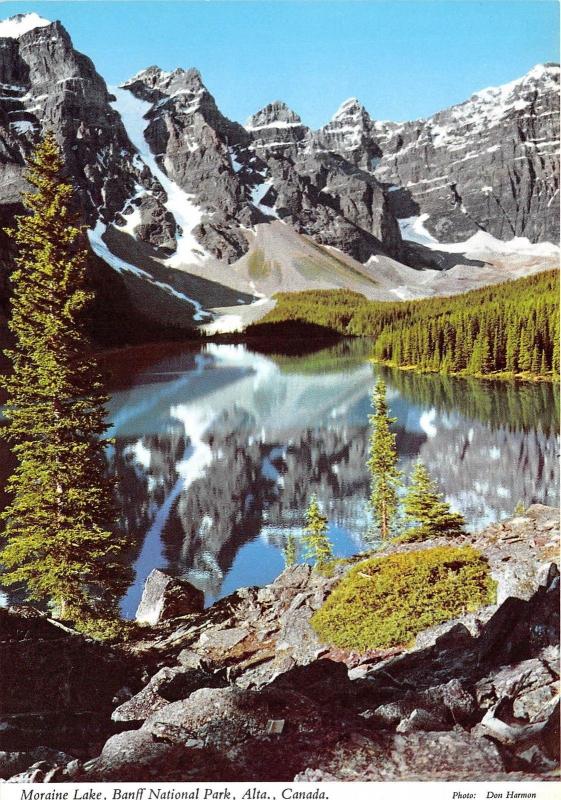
(218, 450)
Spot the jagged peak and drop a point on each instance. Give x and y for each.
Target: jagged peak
(166, 83)
(547, 68)
(350, 107)
(147, 72)
(540, 72)
(150, 75)
(16, 26)
(276, 114)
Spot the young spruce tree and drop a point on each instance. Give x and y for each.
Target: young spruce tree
(290, 551)
(425, 508)
(57, 528)
(385, 478)
(317, 544)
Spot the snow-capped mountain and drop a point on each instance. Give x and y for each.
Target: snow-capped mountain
(194, 212)
(490, 164)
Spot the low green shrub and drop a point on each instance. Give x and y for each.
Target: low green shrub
(386, 601)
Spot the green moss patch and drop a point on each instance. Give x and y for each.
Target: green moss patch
(387, 601)
(257, 265)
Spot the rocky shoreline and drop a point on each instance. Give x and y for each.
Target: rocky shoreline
(245, 690)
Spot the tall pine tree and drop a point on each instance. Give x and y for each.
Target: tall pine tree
(426, 509)
(382, 463)
(317, 544)
(57, 528)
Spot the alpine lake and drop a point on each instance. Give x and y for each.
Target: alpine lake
(218, 449)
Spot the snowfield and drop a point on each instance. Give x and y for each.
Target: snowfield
(481, 244)
(14, 27)
(186, 213)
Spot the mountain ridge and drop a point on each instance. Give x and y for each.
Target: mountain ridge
(156, 162)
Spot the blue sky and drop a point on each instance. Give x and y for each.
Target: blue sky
(402, 59)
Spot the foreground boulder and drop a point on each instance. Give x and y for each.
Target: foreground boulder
(165, 597)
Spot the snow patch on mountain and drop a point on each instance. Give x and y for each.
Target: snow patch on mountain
(481, 243)
(413, 230)
(180, 204)
(258, 192)
(16, 26)
(278, 123)
(95, 236)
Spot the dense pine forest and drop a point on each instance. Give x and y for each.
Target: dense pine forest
(509, 330)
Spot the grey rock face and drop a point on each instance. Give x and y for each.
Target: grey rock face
(321, 182)
(165, 597)
(276, 125)
(167, 685)
(199, 148)
(491, 163)
(46, 84)
(274, 167)
(531, 685)
(416, 756)
(352, 133)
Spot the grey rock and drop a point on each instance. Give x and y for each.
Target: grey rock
(296, 634)
(489, 164)
(530, 684)
(453, 699)
(129, 755)
(167, 685)
(223, 639)
(533, 742)
(473, 624)
(443, 706)
(421, 720)
(414, 756)
(189, 658)
(12, 763)
(146, 701)
(165, 597)
(229, 716)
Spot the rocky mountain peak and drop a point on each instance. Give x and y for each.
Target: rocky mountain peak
(351, 133)
(490, 163)
(276, 114)
(276, 127)
(495, 102)
(153, 83)
(46, 84)
(542, 75)
(350, 109)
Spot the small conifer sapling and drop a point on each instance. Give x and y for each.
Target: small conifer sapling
(316, 541)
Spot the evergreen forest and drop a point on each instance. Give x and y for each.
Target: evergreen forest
(508, 330)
